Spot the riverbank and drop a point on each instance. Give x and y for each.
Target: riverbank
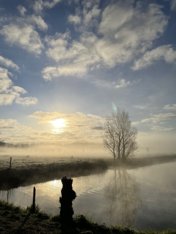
(14, 177)
(21, 176)
(16, 220)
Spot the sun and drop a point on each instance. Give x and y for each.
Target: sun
(58, 125)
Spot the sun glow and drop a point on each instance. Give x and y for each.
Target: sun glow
(58, 125)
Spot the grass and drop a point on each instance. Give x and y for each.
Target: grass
(13, 220)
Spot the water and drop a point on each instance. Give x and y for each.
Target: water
(143, 198)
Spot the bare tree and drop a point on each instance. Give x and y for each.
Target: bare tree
(120, 136)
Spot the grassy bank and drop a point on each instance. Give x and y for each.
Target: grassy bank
(14, 177)
(16, 220)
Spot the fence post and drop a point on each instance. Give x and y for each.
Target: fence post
(10, 163)
(33, 200)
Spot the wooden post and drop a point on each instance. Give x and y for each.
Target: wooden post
(33, 199)
(10, 163)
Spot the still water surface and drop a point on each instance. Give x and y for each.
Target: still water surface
(143, 198)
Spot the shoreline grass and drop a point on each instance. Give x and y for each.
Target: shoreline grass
(12, 221)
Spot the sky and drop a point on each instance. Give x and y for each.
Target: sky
(65, 65)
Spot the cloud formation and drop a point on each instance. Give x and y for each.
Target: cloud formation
(119, 84)
(8, 63)
(158, 118)
(24, 36)
(173, 5)
(120, 38)
(10, 93)
(171, 107)
(165, 52)
(79, 126)
(40, 5)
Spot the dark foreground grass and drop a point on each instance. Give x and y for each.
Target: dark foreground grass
(16, 220)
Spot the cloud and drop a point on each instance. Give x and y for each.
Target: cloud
(79, 126)
(38, 21)
(165, 52)
(73, 60)
(158, 118)
(7, 123)
(118, 84)
(173, 5)
(22, 10)
(122, 27)
(171, 107)
(122, 84)
(50, 73)
(162, 129)
(9, 93)
(26, 101)
(40, 5)
(12, 131)
(24, 36)
(35, 20)
(8, 63)
(121, 37)
(74, 19)
(86, 15)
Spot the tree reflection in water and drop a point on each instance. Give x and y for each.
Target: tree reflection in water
(123, 195)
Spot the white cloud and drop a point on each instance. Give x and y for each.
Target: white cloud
(35, 20)
(161, 129)
(9, 93)
(22, 10)
(121, 36)
(173, 5)
(73, 60)
(165, 52)
(91, 12)
(159, 118)
(26, 101)
(171, 107)
(50, 73)
(8, 63)
(12, 131)
(122, 84)
(7, 123)
(40, 5)
(122, 27)
(86, 15)
(119, 84)
(38, 21)
(114, 16)
(6, 99)
(74, 19)
(23, 36)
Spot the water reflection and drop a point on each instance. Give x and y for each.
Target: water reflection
(122, 197)
(116, 197)
(6, 195)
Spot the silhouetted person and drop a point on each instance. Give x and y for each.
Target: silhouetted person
(68, 195)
